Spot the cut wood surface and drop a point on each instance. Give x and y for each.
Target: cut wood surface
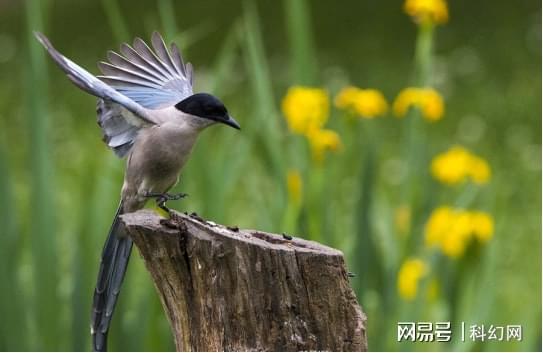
(229, 289)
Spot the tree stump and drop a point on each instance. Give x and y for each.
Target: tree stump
(227, 289)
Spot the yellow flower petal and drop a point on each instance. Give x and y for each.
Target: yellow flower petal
(457, 238)
(409, 275)
(451, 167)
(322, 140)
(432, 105)
(483, 226)
(437, 225)
(427, 11)
(305, 108)
(428, 100)
(479, 170)
(345, 97)
(366, 103)
(451, 230)
(457, 164)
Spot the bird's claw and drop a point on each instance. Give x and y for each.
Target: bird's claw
(176, 196)
(161, 199)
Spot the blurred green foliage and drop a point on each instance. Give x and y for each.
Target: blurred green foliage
(59, 185)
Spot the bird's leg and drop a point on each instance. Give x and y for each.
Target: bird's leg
(161, 198)
(161, 202)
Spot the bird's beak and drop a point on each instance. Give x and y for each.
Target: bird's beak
(231, 122)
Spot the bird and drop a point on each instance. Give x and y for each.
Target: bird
(148, 113)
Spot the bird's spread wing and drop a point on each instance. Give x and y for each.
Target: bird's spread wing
(120, 117)
(154, 80)
(89, 83)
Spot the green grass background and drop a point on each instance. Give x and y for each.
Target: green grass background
(59, 184)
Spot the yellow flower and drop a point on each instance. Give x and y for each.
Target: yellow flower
(456, 239)
(322, 140)
(305, 108)
(479, 170)
(409, 275)
(346, 97)
(457, 164)
(438, 225)
(367, 103)
(483, 226)
(427, 11)
(452, 229)
(451, 167)
(449, 229)
(428, 100)
(294, 186)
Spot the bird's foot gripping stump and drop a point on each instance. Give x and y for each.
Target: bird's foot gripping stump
(225, 289)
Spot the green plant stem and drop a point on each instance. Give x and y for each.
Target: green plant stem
(166, 13)
(416, 139)
(297, 160)
(264, 125)
(116, 20)
(315, 203)
(415, 192)
(41, 214)
(423, 54)
(11, 334)
(302, 52)
(366, 258)
(467, 196)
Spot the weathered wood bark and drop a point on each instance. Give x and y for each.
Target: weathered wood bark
(225, 289)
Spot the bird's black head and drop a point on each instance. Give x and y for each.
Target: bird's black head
(206, 106)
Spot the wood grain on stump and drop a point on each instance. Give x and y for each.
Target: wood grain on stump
(225, 289)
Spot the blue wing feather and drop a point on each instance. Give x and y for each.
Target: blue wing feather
(154, 80)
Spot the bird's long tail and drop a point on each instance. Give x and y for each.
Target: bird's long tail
(115, 257)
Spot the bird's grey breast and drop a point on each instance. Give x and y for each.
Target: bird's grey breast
(165, 148)
(158, 155)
